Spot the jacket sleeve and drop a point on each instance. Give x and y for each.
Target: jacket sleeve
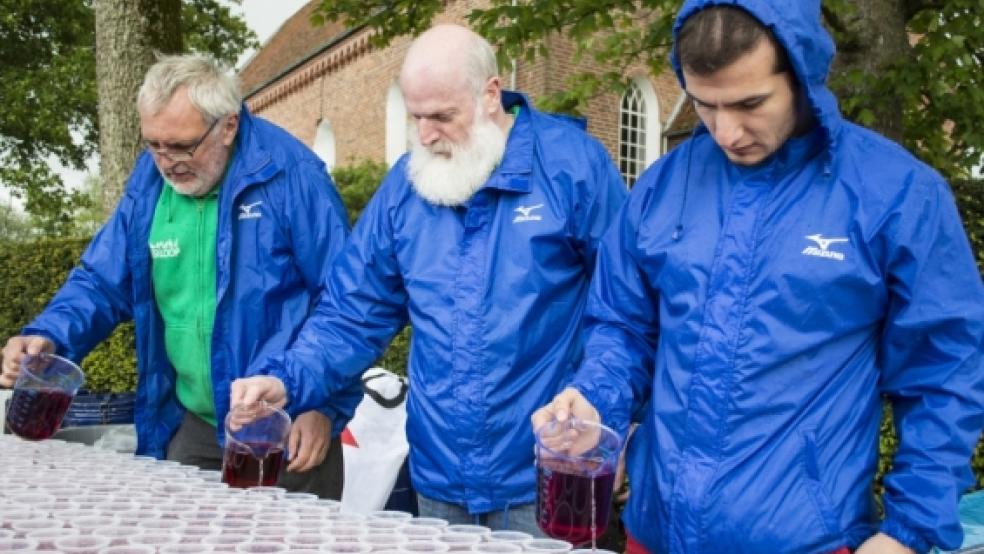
(318, 230)
(97, 296)
(621, 326)
(361, 309)
(931, 361)
(598, 201)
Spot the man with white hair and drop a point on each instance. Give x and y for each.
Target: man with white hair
(483, 238)
(217, 250)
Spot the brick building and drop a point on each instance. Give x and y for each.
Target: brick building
(328, 86)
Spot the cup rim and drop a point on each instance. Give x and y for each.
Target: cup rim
(566, 457)
(26, 370)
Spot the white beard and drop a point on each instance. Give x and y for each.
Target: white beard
(451, 181)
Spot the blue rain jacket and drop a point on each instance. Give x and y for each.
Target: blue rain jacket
(494, 290)
(755, 316)
(281, 222)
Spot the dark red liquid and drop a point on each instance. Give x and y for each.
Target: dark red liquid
(241, 468)
(564, 503)
(35, 414)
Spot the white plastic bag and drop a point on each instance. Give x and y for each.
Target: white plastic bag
(374, 444)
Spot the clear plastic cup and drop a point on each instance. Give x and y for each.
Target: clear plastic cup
(384, 540)
(184, 548)
(459, 542)
(554, 546)
(376, 525)
(469, 529)
(196, 534)
(156, 539)
(592, 551)
(46, 537)
(81, 544)
(117, 534)
(18, 545)
(515, 537)
(224, 543)
(22, 527)
(163, 524)
(42, 393)
(428, 522)
(278, 517)
(496, 548)
(305, 540)
(575, 467)
(345, 517)
(275, 533)
(346, 530)
(420, 532)
(11, 515)
(390, 515)
(230, 526)
(425, 547)
(6, 534)
(260, 547)
(86, 525)
(346, 547)
(255, 440)
(128, 549)
(301, 497)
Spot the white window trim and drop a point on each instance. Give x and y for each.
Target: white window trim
(396, 124)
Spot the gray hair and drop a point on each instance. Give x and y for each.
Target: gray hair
(480, 64)
(212, 89)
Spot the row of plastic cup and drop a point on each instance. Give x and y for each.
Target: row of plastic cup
(127, 503)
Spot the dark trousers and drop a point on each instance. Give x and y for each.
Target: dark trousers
(194, 444)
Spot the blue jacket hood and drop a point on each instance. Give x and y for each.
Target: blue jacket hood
(797, 27)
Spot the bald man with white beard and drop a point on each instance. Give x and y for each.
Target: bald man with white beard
(483, 238)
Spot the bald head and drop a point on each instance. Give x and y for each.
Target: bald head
(451, 56)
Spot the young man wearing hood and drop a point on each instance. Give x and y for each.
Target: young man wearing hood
(765, 286)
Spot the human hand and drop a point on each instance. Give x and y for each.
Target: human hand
(880, 543)
(568, 403)
(250, 390)
(14, 352)
(310, 437)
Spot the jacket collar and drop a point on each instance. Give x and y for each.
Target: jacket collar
(513, 172)
(251, 163)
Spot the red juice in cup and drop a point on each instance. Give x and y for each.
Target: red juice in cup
(251, 465)
(570, 505)
(36, 414)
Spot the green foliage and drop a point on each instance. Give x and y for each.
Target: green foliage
(210, 26)
(970, 201)
(30, 274)
(356, 184)
(49, 87)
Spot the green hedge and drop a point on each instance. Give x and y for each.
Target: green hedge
(30, 273)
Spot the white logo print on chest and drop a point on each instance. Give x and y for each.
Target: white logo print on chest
(526, 214)
(246, 210)
(167, 248)
(822, 249)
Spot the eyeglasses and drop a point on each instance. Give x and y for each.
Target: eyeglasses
(179, 152)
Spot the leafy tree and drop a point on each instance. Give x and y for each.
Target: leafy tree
(926, 92)
(47, 59)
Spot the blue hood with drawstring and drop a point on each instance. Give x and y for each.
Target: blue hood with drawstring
(754, 317)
